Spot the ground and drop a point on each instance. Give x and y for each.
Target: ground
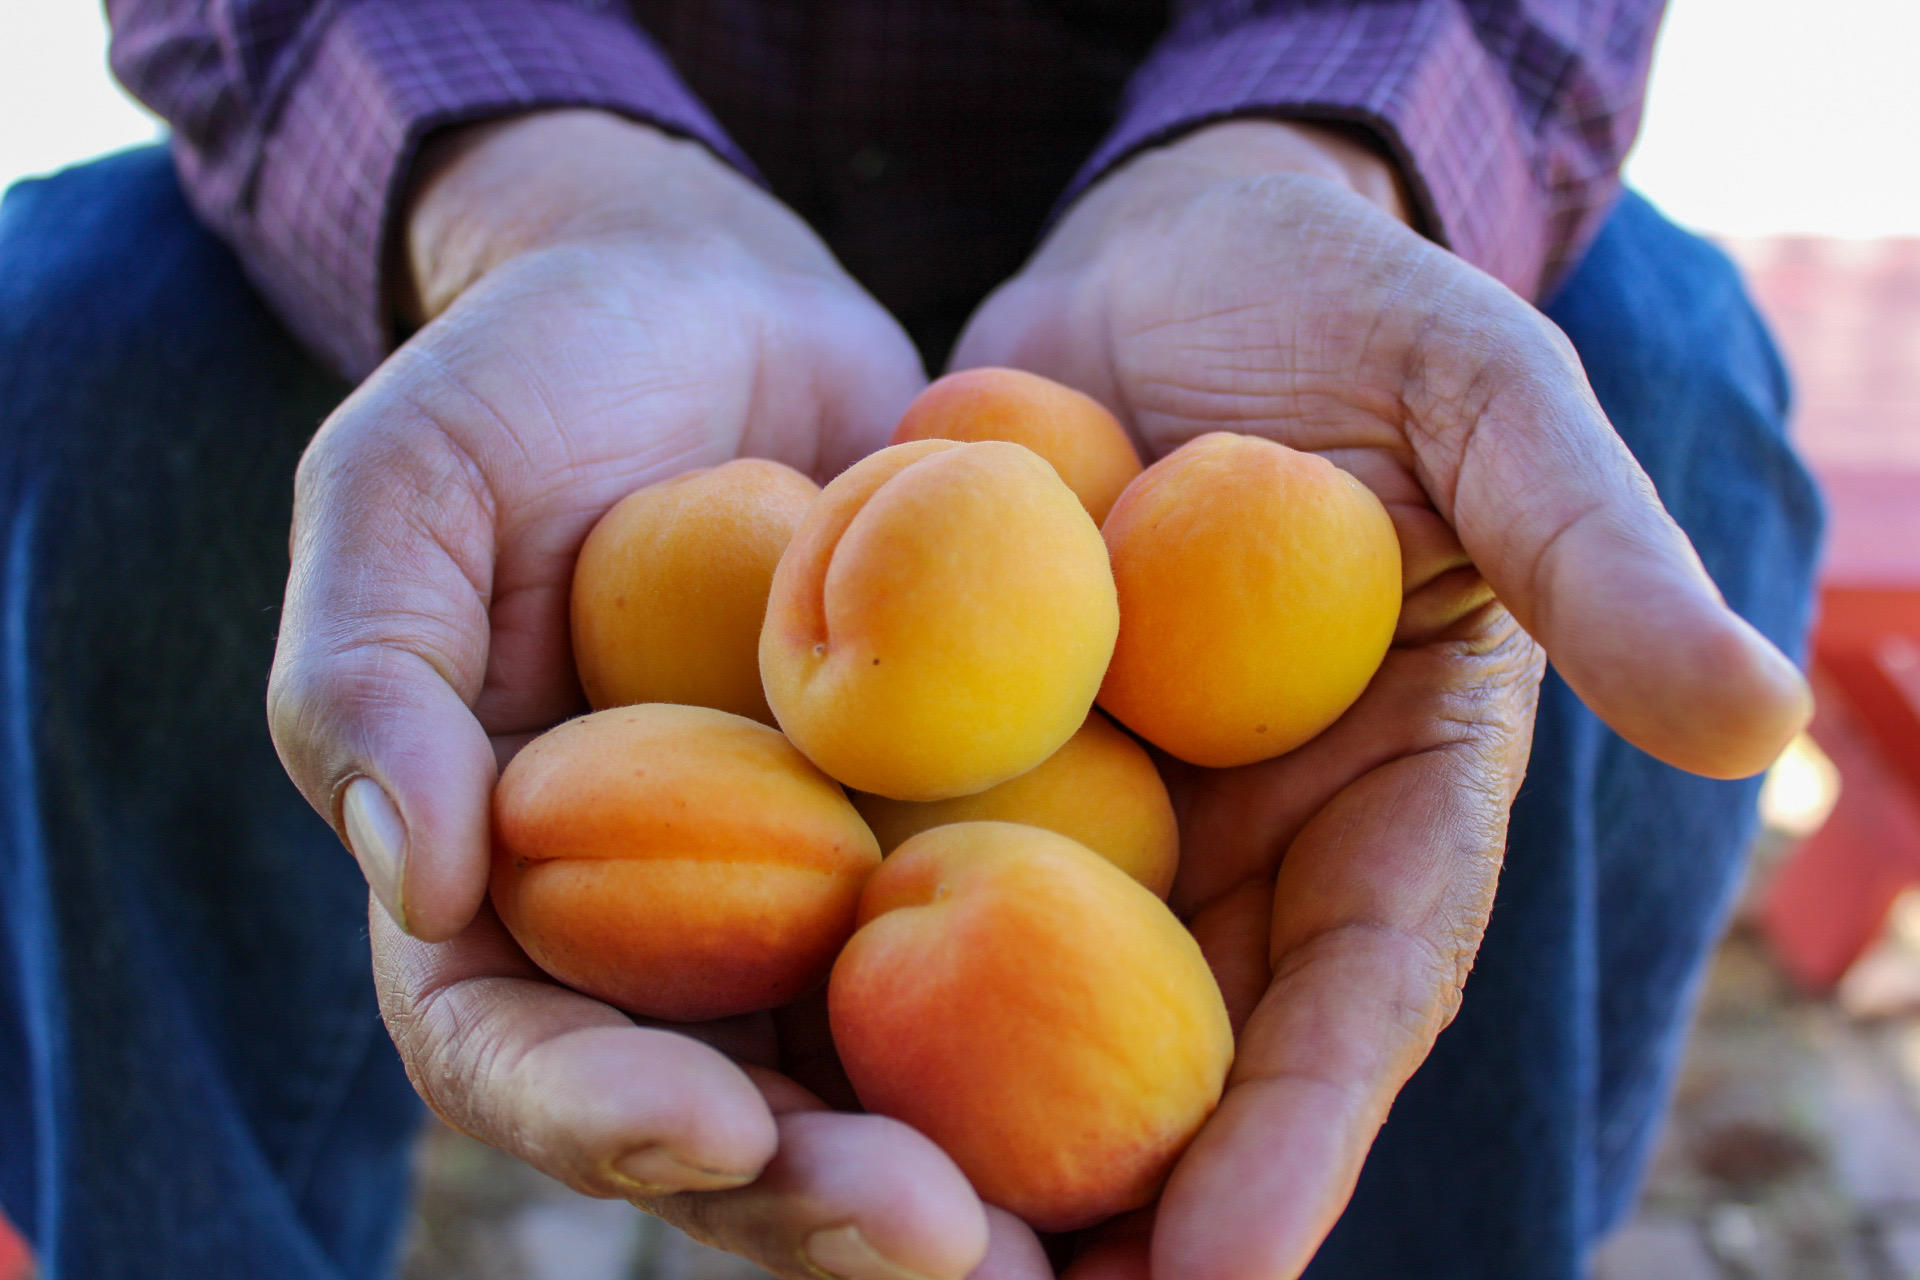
(1793, 1150)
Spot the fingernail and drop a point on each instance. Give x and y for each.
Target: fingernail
(379, 841)
(842, 1253)
(656, 1171)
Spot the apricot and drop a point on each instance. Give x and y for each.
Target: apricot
(1036, 1012)
(1259, 590)
(1086, 444)
(670, 589)
(676, 861)
(1100, 789)
(940, 622)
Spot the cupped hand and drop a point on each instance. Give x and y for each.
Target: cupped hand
(1259, 277)
(600, 307)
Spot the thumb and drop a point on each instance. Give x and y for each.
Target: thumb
(1569, 532)
(383, 646)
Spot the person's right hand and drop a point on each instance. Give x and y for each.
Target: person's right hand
(602, 307)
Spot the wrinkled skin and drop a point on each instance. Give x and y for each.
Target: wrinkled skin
(604, 307)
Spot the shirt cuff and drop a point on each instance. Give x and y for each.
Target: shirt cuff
(1413, 74)
(377, 78)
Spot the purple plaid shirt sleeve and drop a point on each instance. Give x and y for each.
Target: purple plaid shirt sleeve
(294, 122)
(1509, 118)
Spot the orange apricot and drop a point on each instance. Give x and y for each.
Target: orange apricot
(1036, 1012)
(670, 589)
(1259, 590)
(1085, 443)
(676, 861)
(1100, 789)
(940, 622)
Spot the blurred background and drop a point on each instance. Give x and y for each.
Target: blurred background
(1782, 130)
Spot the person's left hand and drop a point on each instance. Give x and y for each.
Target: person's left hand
(1259, 277)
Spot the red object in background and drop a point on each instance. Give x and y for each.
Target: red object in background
(1868, 635)
(1848, 315)
(15, 1262)
(1828, 902)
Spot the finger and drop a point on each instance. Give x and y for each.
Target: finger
(1378, 907)
(854, 1196)
(1570, 533)
(564, 1082)
(383, 645)
(1013, 1251)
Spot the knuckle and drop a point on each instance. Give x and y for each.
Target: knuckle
(455, 1056)
(1438, 967)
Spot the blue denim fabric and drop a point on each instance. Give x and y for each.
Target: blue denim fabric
(193, 1079)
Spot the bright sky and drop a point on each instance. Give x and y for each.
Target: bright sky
(55, 93)
(1772, 116)
(1765, 116)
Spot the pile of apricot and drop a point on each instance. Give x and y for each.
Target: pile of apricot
(849, 735)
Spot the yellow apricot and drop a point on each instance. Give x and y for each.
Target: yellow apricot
(1259, 590)
(676, 861)
(1085, 443)
(1100, 789)
(940, 622)
(1036, 1012)
(670, 589)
